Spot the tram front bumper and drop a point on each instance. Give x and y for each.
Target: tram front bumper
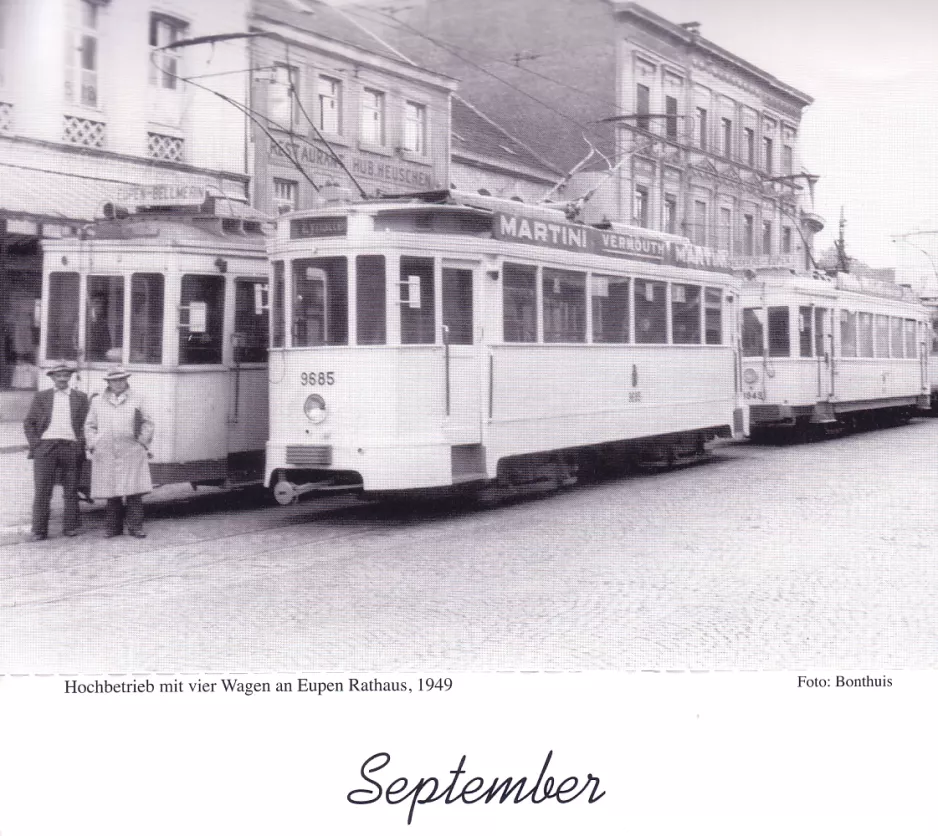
(376, 468)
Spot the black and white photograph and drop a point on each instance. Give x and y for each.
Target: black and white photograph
(561, 360)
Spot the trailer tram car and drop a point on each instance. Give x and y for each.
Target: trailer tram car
(931, 304)
(449, 340)
(175, 291)
(822, 352)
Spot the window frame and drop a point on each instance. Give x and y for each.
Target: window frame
(82, 29)
(378, 110)
(419, 124)
(334, 85)
(291, 86)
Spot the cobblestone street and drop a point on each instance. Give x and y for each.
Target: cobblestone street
(764, 557)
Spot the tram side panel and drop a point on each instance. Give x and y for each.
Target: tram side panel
(556, 397)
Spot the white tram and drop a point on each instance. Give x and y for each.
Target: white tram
(931, 304)
(177, 293)
(823, 350)
(449, 339)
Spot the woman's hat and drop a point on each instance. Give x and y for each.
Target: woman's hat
(61, 367)
(116, 373)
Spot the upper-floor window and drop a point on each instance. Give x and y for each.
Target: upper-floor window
(786, 240)
(81, 54)
(787, 160)
(330, 105)
(766, 237)
(700, 223)
(702, 127)
(749, 138)
(415, 128)
(670, 213)
(285, 195)
(372, 116)
(748, 229)
(670, 121)
(725, 229)
(726, 131)
(767, 146)
(164, 61)
(281, 102)
(642, 106)
(640, 209)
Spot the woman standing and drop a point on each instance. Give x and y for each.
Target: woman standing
(118, 431)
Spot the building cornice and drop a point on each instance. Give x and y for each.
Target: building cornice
(628, 11)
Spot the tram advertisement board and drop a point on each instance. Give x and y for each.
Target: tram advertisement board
(631, 245)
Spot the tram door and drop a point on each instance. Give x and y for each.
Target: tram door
(824, 351)
(459, 319)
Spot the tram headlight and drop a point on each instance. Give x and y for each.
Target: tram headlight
(315, 409)
(750, 376)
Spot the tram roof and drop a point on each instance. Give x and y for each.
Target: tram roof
(837, 281)
(446, 199)
(211, 221)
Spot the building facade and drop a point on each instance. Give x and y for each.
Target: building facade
(337, 113)
(485, 158)
(95, 103)
(655, 125)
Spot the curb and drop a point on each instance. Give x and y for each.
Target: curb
(18, 448)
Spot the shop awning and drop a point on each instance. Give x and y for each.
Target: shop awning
(55, 197)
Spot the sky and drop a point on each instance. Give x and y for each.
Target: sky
(872, 132)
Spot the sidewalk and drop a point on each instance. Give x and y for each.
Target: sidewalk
(12, 439)
(16, 483)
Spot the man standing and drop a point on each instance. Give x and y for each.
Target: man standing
(54, 428)
(119, 431)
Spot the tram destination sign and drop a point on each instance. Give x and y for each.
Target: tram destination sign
(632, 246)
(319, 227)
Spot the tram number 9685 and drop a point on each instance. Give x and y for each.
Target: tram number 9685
(317, 378)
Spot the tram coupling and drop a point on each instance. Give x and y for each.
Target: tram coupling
(287, 492)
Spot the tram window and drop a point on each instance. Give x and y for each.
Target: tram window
(104, 321)
(519, 302)
(911, 347)
(934, 336)
(457, 305)
(753, 332)
(651, 312)
(200, 346)
(146, 318)
(418, 324)
(62, 319)
(848, 334)
(865, 333)
(320, 301)
(713, 315)
(882, 335)
(610, 298)
(564, 306)
(685, 314)
(251, 323)
(277, 312)
(896, 336)
(779, 340)
(805, 340)
(370, 286)
(820, 316)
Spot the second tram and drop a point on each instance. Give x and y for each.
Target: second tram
(448, 339)
(821, 351)
(176, 292)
